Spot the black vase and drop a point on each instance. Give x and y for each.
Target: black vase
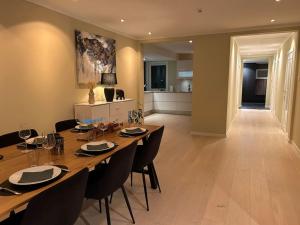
(109, 93)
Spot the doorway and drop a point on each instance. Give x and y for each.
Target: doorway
(255, 81)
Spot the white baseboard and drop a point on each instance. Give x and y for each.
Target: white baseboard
(296, 146)
(207, 134)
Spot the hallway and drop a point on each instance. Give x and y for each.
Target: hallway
(250, 178)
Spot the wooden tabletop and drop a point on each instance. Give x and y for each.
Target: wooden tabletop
(14, 160)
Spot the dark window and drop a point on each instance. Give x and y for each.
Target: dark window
(158, 76)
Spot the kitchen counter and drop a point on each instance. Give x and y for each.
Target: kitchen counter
(168, 102)
(185, 92)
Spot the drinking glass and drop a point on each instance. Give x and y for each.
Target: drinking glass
(24, 133)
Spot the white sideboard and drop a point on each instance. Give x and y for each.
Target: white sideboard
(110, 111)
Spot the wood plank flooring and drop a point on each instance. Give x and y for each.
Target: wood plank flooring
(250, 178)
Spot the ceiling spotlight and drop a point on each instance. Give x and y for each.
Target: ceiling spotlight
(272, 21)
(277, 0)
(190, 41)
(122, 20)
(149, 33)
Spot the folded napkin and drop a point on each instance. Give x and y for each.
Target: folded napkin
(133, 131)
(86, 126)
(100, 147)
(29, 177)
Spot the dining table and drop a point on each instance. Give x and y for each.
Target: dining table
(15, 159)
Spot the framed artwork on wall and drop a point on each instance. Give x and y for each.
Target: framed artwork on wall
(94, 55)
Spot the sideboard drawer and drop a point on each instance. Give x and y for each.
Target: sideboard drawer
(119, 110)
(100, 111)
(110, 111)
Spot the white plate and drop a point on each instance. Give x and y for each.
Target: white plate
(110, 146)
(14, 179)
(143, 130)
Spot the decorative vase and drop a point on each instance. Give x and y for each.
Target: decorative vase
(91, 96)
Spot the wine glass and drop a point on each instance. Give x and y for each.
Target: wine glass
(102, 127)
(49, 143)
(24, 133)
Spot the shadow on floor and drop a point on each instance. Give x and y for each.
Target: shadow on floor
(250, 105)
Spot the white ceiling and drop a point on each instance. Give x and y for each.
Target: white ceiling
(257, 60)
(165, 51)
(175, 18)
(263, 44)
(183, 47)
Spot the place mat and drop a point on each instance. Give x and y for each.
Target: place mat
(29, 146)
(100, 147)
(29, 188)
(29, 177)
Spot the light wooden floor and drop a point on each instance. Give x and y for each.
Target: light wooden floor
(250, 178)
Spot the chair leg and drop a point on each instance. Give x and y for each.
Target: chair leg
(145, 190)
(128, 204)
(12, 214)
(107, 211)
(131, 179)
(156, 178)
(111, 196)
(100, 208)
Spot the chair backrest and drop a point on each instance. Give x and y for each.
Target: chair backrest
(13, 138)
(117, 170)
(61, 204)
(150, 148)
(65, 125)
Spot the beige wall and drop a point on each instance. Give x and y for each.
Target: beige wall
(234, 83)
(210, 83)
(37, 66)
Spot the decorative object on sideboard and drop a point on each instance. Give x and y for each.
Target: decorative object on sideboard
(120, 94)
(109, 79)
(136, 117)
(94, 54)
(91, 86)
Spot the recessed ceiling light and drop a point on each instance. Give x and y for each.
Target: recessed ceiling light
(122, 20)
(199, 10)
(277, 0)
(272, 21)
(191, 41)
(149, 33)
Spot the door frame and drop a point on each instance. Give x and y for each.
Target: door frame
(286, 122)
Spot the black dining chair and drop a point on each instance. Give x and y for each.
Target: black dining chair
(65, 125)
(59, 205)
(107, 178)
(13, 138)
(145, 154)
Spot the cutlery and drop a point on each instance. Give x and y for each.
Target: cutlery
(11, 191)
(83, 154)
(124, 135)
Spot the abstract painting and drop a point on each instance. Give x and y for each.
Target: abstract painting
(95, 55)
